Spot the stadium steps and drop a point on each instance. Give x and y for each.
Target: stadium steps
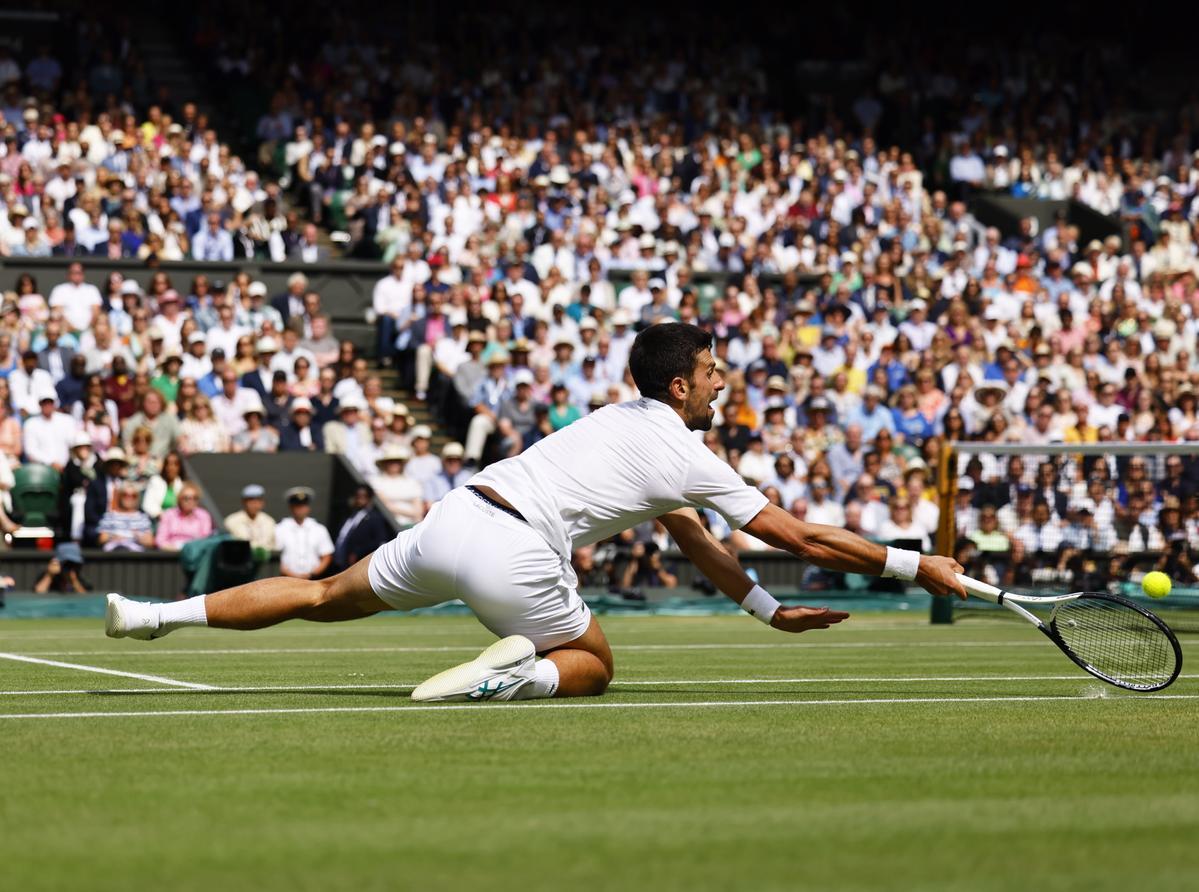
(419, 410)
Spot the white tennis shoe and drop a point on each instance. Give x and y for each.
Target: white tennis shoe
(505, 671)
(131, 619)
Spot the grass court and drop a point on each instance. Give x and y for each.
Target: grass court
(885, 753)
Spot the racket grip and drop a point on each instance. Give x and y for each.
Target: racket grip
(980, 589)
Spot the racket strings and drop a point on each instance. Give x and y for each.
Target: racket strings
(1116, 639)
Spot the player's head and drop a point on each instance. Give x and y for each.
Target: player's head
(672, 362)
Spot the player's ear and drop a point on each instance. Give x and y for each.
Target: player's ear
(679, 387)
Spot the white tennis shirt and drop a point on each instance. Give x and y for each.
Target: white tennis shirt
(613, 469)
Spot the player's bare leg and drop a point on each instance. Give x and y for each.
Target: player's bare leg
(584, 665)
(510, 670)
(255, 605)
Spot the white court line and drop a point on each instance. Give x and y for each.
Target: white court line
(157, 679)
(534, 706)
(285, 688)
(475, 648)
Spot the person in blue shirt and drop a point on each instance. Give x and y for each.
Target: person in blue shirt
(897, 373)
(909, 420)
(872, 414)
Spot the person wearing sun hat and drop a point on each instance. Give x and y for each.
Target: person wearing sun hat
(402, 495)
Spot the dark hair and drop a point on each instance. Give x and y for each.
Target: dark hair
(664, 352)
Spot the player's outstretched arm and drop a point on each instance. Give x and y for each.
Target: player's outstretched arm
(725, 571)
(836, 549)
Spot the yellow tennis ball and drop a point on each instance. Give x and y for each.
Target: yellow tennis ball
(1156, 584)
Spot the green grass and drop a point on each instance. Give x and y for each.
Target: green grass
(1096, 791)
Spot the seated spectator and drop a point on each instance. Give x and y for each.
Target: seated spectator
(349, 435)
(299, 434)
(162, 491)
(48, 435)
(184, 523)
(142, 463)
(101, 493)
(363, 531)
(152, 414)
(251, 523)
(562, 410)
(304, 544)
(256, 436)
(125, 526)
(200, 432)
(400, 494)
(450, 477)
(901, 527)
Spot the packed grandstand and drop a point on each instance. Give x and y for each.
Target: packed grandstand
(526, 228)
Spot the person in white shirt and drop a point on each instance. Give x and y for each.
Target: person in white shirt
(213, 242)
(305, 546)
(26, 384)
(47, 436)
(503, 542)
(79, 300)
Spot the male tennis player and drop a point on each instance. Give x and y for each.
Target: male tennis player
(502, 544)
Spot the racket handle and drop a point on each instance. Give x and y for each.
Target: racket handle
(980, 589)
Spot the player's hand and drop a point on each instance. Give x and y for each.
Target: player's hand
(801, 619)
(938, 575)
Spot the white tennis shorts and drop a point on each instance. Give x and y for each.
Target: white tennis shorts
(497, 565)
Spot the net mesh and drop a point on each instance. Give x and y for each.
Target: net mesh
(1117, 640)
(1093, 517)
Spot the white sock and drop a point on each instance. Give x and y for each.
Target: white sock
(177, 614)
(545, 681)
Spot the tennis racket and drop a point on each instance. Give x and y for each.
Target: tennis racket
(1110, 637)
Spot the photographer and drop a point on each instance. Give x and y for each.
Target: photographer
(62, 572)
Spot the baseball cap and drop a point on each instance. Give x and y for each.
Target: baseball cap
(522, 376)
(453, 450)
(253, 491)
(422, 432)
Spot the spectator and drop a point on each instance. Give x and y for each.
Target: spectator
(62, 574)
(255, 435)
(152, 414)
(252, 523)
(102, 491)
(48, 435)
(304, 544)
(201, 432)
(124, 526)
(349, 435)
(299, 434)
(363, 531)
(162, 491)
(400, 494)
(452, 475)
(184, 523)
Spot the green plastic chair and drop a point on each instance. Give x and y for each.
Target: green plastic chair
(35, 495)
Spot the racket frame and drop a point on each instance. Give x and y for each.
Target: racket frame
(1013, 602)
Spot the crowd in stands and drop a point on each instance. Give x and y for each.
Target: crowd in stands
(112, 388)
(862, 316)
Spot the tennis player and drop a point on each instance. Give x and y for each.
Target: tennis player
(502, 544)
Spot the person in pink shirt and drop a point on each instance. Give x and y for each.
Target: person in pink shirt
(185, 522)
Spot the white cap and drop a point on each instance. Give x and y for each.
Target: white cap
(80, 439)
(301, 403)
(726, 240)
(257, 289)
(268, 345)
(353, 401)
(422, 432)
(522, 376)
(656, 283)
(457, 318)
(646, 240)
(130, 286)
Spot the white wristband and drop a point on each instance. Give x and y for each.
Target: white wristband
(902, 564)
(760, 604)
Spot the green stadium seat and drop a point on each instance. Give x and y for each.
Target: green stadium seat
(35, 495)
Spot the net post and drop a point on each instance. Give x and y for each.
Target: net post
(941, 609)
